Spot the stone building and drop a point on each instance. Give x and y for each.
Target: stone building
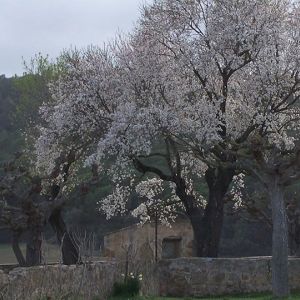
(139, 241)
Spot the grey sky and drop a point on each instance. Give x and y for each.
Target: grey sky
(49, 26)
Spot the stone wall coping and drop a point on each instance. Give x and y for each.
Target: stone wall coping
(86, 280)
(207, 259)
(200, 277)
(10, 268)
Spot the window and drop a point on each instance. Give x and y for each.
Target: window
(171, 247)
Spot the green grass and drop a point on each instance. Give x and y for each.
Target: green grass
(51, 253)
(6, 254)
(250, 297)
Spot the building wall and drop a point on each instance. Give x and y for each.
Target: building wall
(139, 240)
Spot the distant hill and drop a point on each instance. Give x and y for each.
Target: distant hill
(10, 137)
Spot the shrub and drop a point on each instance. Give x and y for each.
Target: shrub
(129, 287)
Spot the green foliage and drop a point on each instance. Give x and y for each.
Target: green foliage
(8, 99)
(33, 88)
(33, 91)
(10, 137)
(10, 142)
(130, 287)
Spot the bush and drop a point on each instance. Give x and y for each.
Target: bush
(130, 287)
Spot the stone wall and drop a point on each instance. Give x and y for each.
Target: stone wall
(8, 267)
(180, 277)
(59, 281)
(220, 276)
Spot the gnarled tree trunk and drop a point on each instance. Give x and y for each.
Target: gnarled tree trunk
(207, 225)
(34, 247)
(280, 285)
(194, 213)
(69, 246)
(297, 240)
(218, 181)
(16, 248)
(196, 216)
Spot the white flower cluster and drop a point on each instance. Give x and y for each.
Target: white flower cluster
(205, 74)
(115, 203)
(132, 276)
(238, 186)
(155, 205)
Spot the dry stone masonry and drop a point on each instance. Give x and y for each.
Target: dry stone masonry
(220, 276)
(175, 277)
(58, 281)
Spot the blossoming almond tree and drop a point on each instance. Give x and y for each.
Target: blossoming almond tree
(69, 128)
(210, 46)
(160, 102)
(196, 73)
(245, 57)
(179, 83)
(202, 53)
(262, 101)
(97, 104)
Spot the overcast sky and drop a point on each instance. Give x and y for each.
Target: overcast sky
(49, 26)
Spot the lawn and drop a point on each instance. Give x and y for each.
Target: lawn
(51, 253)
(254, 297)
